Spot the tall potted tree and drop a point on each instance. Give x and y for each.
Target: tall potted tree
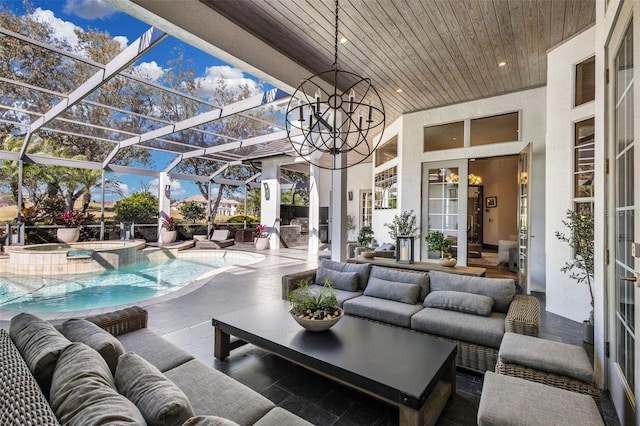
(581, 267)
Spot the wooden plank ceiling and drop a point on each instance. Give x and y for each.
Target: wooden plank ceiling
(438, 52)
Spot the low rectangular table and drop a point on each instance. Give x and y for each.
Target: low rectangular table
(412, 371)
(421, 266)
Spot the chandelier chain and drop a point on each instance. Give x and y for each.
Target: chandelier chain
(335, 59)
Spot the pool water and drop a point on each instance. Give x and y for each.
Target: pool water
(129, 284)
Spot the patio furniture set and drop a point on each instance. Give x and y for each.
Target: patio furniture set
(494, 330)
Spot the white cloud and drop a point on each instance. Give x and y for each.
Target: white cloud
(123, 41)
(233, 78)
(126, 191)
(89, 9)
(149, 70)
(63, 30)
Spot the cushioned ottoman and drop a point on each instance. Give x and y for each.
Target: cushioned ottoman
(551, 363)
(512, 401)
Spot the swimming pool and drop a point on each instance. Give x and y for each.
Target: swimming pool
(126, 285)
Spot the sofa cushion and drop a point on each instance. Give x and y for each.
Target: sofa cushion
(159, 400)
(159, 352)
(485, 331)
(21, 400)
(385, 247)
(546, 355)
(40, 344)
(460, 301)
(281, 417)
(83, 391)
(391, 290)
(347, 281)
(220, 235)
(390, 274)
(501, 290)
(209, 421)
(212, 392)
(81, 330)
(362, 269)
(383, 310)
(510, 400)
(341, 295)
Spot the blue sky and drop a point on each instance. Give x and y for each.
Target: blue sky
(67, 15)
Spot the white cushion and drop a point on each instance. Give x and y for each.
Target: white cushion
(220, 234)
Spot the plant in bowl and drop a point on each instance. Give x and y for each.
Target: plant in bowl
(315, 310)
(437, 241)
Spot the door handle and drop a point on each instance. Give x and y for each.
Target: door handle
(635, 278)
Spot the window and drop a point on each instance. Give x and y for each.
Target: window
(495, 129)
(586, 81)
(443, 203)
(366, 207)
(386, 189)
(388, 151)
(444, 136)
(583, 171)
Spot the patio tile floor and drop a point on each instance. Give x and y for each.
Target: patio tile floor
(186, 321)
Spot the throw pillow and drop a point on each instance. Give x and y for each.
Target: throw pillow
(347, 281)
(391, 290)
(81, 330)
(459, 301)
(40, 344)
(83, 391)
(158, 398)
(391, 274)
(209, 421)
(501, 290)
(362, 269)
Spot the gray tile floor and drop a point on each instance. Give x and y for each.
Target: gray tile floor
(186, 321)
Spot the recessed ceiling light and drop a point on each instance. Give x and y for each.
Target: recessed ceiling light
(399, 90)
(343, 40)
(502, 64)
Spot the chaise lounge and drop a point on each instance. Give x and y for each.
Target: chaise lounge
(219, 239)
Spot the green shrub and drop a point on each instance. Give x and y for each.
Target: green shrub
(240, 219)
(192, 211)
(141, 207)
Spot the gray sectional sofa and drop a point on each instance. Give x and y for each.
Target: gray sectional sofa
(474, 312)
(111, 368)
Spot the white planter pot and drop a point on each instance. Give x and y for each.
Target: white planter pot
(262, 243)
(68, 235)
(167, 237)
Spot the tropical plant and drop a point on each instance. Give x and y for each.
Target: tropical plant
(365, 236)
(72, 219)
(169, 223)
(260, 229)
(403, 224)
(141, 207)
(581, 240)
(192, 211)
(437, 241)
(314, 304)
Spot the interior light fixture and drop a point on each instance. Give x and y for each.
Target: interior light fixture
(502, 64)
(343, 40)
(335, 113)
(399, 90)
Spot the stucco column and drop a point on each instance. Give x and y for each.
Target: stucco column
(164, 198)
(270, 202)
(314, 210)
(338, 210)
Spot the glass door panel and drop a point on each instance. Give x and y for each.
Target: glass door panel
(443, 203)
(524, 227)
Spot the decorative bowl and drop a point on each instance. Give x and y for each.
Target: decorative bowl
(318, 325)
(448, 261)
(368, 254)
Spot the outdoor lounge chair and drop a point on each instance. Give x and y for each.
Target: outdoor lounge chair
(219, 239)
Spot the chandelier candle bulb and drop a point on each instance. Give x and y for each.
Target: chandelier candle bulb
(300, 113)
(369, 120)
(352, 96)
(318, 101)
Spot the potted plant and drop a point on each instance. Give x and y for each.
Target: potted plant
(168, 233)
(72, 222)
(581, 267)
(262, 238)
(365, 236)
(437, 241)
(315, 310)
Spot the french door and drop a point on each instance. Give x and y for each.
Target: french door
(623, 375)
(524, 222)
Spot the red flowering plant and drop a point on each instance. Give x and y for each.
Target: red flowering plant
(169, 223)
(72, 219)
(260, 230)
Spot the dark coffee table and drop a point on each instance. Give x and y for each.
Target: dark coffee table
(415, 372)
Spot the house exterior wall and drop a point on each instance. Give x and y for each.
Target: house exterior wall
(561, 119)
(531, 104)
